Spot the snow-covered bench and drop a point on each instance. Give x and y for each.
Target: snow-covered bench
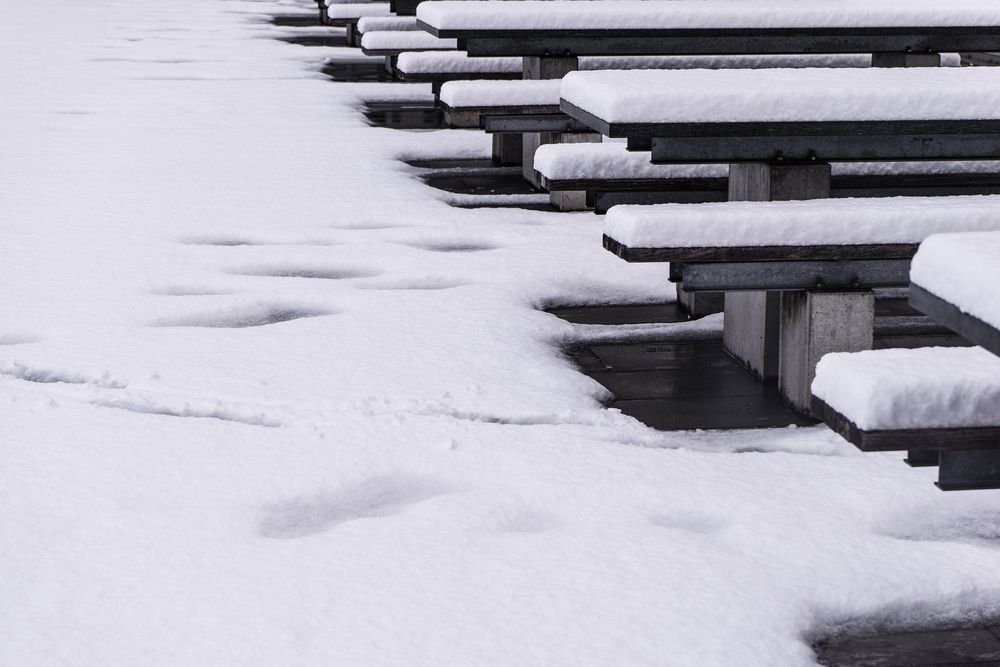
(391, 43)
(346, 15)
(378, 23)
(806, 266)
(954, 281)
(607, 174)
(438, 67)
(941, 405)
(466, 103)
(942, 401)
(395, 42)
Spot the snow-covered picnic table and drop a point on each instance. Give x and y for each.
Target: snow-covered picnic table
(567, 28)
(954, 280)
(611, 175)
(826, 114)
(820, 258)
(944, 403)
(394, 42)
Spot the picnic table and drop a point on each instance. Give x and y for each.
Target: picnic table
(780, 130)
(941, 405)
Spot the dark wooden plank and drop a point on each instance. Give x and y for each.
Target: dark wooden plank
(787, 275)
(832, 148)
(969, 326)
(521, 123)
(720, 41)
(904, 440)
(501, 110)
(761, 253)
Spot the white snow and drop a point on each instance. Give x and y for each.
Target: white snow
(484, 15)
(373, 23)
(610, 160)
(267, 399)
(454, 62)
(791, 223)
(912, 389)
(670, 96)
(404, 40)
(358, 10)
(961, 269)
(517, 93)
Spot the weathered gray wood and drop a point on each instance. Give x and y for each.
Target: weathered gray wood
(472, 116)
(758, 181)
(507, 149)
(785, 275)
(548, 67)
(906, 59)
(700, 304)
(969, 326)
(762, 253)
(721, 41)
(569, 200)
(968, 469)
(904, 440)
(814, 324)
(521, 123)
(804, 148)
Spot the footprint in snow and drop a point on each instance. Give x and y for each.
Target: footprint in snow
(244, 317)
(373, 498)
(692, 522)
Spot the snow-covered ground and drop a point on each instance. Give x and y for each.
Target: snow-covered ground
(402, 468)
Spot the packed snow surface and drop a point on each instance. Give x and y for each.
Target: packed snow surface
(520, 92)
(611, 160)
(962, 269)
(373, 23)
(486, 15)
(404, 40)
(268, 399)
(800, 223)
(936, 387)
(749, 95)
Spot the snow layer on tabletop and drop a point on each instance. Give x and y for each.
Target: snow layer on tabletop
(892, 389)
(678, 96)
(373, 23)
(404, 40)
(706, 14)
(964, 270)
(358, 10)
(611, 160)
(268, 400)
(455, 62)
(524, 92)
(794, 223)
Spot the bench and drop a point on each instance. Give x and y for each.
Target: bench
(376, 23)
(466, 103)
(942, 406)
(807, 268)
(391, 43)
(952, 281)
(347, 15)
(599, 176)
(437, 67)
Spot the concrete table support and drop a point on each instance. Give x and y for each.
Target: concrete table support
(753, 318)
(507, 149)
(546, 67)
(814, 324)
